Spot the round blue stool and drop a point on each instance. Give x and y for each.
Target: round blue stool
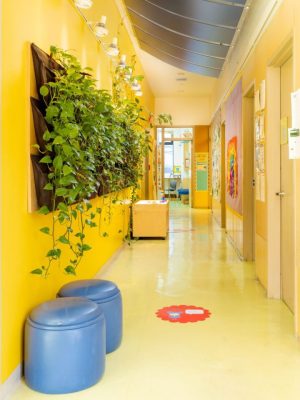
(64, 346)
(108, 296)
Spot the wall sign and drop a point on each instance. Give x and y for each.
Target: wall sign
(294, 144)
(183, 314)
(201, 163)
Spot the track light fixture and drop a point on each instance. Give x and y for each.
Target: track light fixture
(100, 29)
(113, 50)
(85, 4)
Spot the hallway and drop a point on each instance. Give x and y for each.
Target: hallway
(245, 350)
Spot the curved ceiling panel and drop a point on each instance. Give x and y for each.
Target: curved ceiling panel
(210, 12)
(209, 33)
(180, 40)
(179, 63)
(179, 52)
(190, 34)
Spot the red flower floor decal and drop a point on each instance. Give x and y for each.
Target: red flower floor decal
(183, 314)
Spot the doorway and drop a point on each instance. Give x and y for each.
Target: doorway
(280, 188)
(174, 153)
(249, 175)
(286, 193)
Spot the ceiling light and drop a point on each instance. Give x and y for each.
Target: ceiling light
(135, 86)
(100, 28)
(122, 63)
(113, 50)
(83, 3)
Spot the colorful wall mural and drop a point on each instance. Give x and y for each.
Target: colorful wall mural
(234, 167)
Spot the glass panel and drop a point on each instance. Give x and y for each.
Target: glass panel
(169, 158)
(178, 133)
(159, 135)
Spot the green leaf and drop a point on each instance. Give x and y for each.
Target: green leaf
(49, 147)
(98, 210)
(36, 146)
(46, 160)
(61, 192)
(44, 91)
(93, 215)
(74, 214)
(67, 170)
(90, 223)
(67, 180)
(105, 234)
(67, 150)
(59, 140)
(51, 112)
(62, 207)
(80, 235)
(63, 239)
(62, 217)
(88, 205)
(54, 253)
(49, 186)
(37, 271)
(44, 210)
(45, 230)
(58, 162)
(70, 270)
(85, 247)
(47, 136)
(79, 208)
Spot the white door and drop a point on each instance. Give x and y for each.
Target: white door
(286, 193)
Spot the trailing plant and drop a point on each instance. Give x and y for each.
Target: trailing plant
(136, 122)
(95, 145)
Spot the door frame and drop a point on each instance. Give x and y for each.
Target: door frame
(163, 140)
(273, 166)
(248, 174)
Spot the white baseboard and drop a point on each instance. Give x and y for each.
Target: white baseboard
(11, 384)
(106, 267)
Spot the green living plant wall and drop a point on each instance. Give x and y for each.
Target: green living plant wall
(96, 144)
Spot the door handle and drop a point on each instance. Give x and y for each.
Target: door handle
(280, 194)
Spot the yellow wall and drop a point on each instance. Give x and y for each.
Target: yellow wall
(285, 23)
(44, 23)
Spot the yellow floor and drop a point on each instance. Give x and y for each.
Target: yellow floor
(246, 350)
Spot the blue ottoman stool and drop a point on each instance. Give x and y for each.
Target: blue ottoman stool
(64, 346)
(183, 191)
(108, 296)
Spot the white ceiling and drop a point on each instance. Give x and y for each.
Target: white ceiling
(163, 79)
